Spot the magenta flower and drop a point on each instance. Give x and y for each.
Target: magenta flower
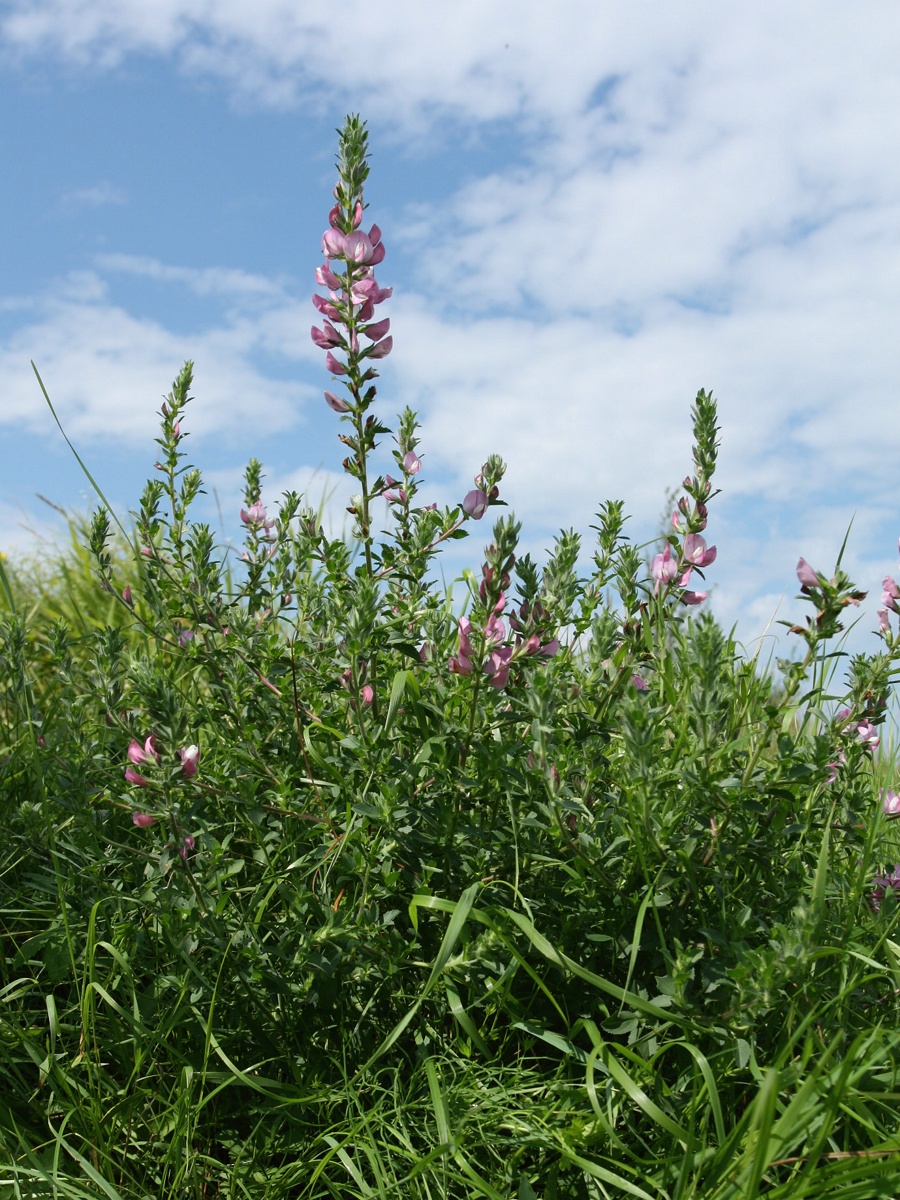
(366, 291)
(336, 403)
(326, 309)
(367, 694)
(135, 777)
(187, 843)
(550, 649)
(695, 551)
(190, 756)
(126, 594)
(335, 367)
(639, 683)
(494, 630)
(396, 497)
(890, 803)
(475, 504)
(147, 753)
(143, 820)
(807, 576)
(693, 597)
(462, 664)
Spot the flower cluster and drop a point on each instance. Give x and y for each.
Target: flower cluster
(353, 293)
(881, 884)
(139, 755)
(890, 602)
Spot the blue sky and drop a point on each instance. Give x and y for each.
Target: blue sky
(589, 214)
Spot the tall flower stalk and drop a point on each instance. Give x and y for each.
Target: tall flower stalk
(352, 339)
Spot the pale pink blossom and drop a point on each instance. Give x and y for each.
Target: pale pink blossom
(693, 597)
(496, 666)
(327, 337)
(639, 683)
(135, 777)
(884, 622)
(190, 756)
(890, 803)
(126, 594)
(327, 278)
(695, 551)
(664, 567)
(143, 820)
(367, 694)
(255, 514)
(411, 463)
(332, 364)
(333, 243)
(475, 504)
(807, 576)
(890, 594)
(336, 403)
(867, 735)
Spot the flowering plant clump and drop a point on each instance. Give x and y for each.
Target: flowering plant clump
(326, 876)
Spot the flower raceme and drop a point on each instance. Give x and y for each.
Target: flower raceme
(348, 273)
(148, 753)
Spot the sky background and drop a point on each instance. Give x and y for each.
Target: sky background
(589, 213)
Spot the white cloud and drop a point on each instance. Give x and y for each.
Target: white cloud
(107, 370)
(100, 195)
(696, 195)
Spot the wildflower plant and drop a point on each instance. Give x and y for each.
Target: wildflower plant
(320, 880)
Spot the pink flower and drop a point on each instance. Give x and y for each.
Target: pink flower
(639, 683)
(326, 309)
(146, 551)
(395, 497)
(807, 576)
(333, 243)
(336, 403)
(325, 338)
(475, 504)
(187, 843)
(357, 247)
(867, 734)
(135, 777)
(382, 349)
(890, 803)
(367, 694)
(143, 820)
(496, 666)
(255, 514)
(880, 885)
(335, 367)
(327, 278)
(494, 630)
(663, 568)
(695, 551)
(147, 753)
(376, 331)
(693, 597)
(186, 635)
(550, 649)
(190, 756)
(411, 463)
(126, 594)
(890, 594)
(884, 623)
(367, 290)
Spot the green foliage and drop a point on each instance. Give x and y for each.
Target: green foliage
(315, 882)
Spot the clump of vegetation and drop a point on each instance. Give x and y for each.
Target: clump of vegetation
(318, 882)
